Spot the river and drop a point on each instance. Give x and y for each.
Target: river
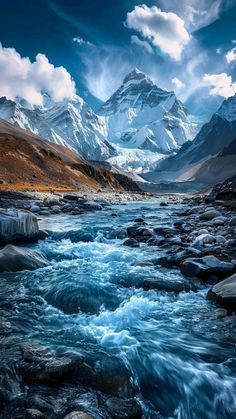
(179, 351)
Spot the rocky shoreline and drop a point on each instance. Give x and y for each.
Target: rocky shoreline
(201, 243)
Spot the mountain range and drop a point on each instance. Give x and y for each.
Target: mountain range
(210, 157)
(141, 128)
(137, 126)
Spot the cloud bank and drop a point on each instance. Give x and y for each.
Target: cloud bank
(165, 30)
(220, 84)
(21, 77)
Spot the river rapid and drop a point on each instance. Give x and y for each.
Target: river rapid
(178, 349)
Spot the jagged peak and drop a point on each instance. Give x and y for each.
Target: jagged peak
(135, 74)
(227, 110)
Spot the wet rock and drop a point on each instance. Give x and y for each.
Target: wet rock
(206, 267)
(41, 366)
(78, 415)
(139, 220)
(166, 285)
(219, 221)
(50, 202)
(209, 214)
(131, 243)
(123, 409)
(35, 208)
(163, 204)
(220, 239)
(232, 222)
(230, 243)
(139, 233)
(16, 225)
(224, 293)
(204, 239)
(108, 375)
(13, 259)
(34, 414)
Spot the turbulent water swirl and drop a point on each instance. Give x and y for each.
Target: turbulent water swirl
(179, 353)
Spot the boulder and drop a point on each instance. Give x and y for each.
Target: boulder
(206, 267)
(34, 414)
(209, 214)
(14, 258)
(163, 204)
(16, 225)
(204, 238)
(224, 293)
(232, 222)
(50, 202)
(35, 208)
(39, 366)
(139, 233)
(78, 415)
(123, 409)
(166, 285)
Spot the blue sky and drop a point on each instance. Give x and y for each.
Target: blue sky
(187, 46)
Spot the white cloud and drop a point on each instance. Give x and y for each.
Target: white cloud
(144, 44)
(165, 30)
(231, 55)
(178, 83)
(220, 84)
(21, 77)
(81, 41)
(218, 51)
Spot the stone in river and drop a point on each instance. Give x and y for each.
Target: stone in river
(209, 214)
(123, 409)
(131, 243)
(232, 222)
(14, 258)
(78, 415)
(206, 267)
(166, 285)
(16, 225)
(34, 414)
(224, 293)
(204, 238)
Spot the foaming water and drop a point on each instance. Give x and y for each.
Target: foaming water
(180, 354)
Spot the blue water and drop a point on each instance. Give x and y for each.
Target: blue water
(179, 351)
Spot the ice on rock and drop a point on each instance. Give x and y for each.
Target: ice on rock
(17, 225)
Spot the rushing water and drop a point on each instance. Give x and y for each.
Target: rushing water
(179, 351)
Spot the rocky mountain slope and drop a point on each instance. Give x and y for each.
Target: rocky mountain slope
(210, 157)
(145, 122)
(28, 162)
(70, 123)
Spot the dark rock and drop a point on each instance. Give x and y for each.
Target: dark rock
(139, 233)
(34, 414)
(166, 285)
(131, 243)
(139, 220)
(163, 204)
(206, 267)
(13, 259)
(41, 366)
(123, 409)
(78, 415)
(224, 293)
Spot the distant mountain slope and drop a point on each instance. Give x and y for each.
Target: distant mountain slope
(28, 162)
(70, 123)
(210, 157)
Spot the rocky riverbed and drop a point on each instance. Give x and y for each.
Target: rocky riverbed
(117, 307)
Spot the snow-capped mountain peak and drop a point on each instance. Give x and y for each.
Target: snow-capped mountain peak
(227, 110)
(140, 115)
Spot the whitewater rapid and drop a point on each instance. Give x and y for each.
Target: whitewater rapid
(178, 350)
